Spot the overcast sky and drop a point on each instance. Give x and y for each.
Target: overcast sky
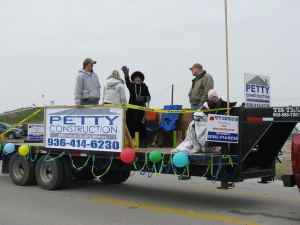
(43, 45)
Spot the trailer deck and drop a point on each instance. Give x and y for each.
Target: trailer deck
(262, 134)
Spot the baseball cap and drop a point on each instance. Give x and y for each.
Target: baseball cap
(196, 65)
(89, 60)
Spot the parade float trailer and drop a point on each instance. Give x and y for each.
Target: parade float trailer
(88, 143)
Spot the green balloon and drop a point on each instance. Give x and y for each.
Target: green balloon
(155, 156)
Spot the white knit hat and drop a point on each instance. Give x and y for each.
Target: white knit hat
(212, 93)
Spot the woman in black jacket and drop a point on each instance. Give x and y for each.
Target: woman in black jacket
(138, 95)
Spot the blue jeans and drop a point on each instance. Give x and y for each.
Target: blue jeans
(194, 107)
(87, 102)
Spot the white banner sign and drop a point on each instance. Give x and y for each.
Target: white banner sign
(96, 129)
(35, 132)
(257, 90)
(222, 128)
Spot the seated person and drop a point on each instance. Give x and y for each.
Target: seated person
(196, 139)
(214, 102)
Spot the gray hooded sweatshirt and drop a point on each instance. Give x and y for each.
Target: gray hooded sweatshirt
(87, 86)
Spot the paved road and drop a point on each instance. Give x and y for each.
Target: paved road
(149, 199)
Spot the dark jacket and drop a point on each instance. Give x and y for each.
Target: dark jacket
(135, 119)
(137, 89)
(218, 105)
(201, 85)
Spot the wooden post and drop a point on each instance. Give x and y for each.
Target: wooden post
(128, 138)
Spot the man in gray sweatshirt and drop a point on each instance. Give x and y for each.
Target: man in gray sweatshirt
(87, 87)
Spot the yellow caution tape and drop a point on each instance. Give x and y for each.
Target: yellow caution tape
(130, 106)
(22, 121)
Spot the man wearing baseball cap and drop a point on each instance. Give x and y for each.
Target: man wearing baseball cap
(201, 85)
(87, 87)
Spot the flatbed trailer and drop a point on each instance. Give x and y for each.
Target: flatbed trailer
(262, 134)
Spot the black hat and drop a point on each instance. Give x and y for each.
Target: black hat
(137, 74)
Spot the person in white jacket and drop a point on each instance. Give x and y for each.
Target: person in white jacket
(114, 89)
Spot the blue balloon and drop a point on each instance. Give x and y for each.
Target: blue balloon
(180, 159)
(9, 148)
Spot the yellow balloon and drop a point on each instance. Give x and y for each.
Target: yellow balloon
(23, 150)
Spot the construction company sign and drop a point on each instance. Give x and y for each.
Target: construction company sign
(257, 90)
(35, 132)
(95, 129)
(222, 128)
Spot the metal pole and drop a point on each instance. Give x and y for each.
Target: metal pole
(227, 67)
(172, 94)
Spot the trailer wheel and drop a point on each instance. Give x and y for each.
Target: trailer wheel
(84, 174)
(49, 175)
(68, 172)
(126, 175)
(115, 176)
(20, 171)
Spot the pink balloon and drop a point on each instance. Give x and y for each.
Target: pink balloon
(127, 155)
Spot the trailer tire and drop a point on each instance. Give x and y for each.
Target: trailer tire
(49, 175)
(20, 171)
(115, 176)
(84, 174)
(126, 175)
(68, 172)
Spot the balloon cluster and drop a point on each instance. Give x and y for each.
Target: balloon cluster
(180, 159)
(10, 148)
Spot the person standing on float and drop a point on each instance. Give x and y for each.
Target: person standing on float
(138, 95)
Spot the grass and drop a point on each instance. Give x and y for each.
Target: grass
(16, 116)
(285, 167)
